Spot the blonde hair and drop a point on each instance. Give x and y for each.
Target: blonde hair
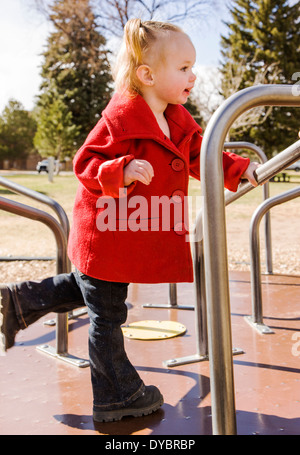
(137, 40)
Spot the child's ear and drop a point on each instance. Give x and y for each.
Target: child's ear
(144, 74)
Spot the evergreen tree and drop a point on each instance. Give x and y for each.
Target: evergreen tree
(262, 46)
(56, 133)
(17, 130)
(76, 66)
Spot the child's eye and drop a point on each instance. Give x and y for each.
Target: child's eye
(184, 68)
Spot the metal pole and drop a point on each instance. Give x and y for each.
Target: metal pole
(200, 306)
(215, 245)
(64, 221)
(61, 319)
(172, 301)
(173, 294)
(266, 192)
(15, 187)
(61, 262)
(38, 215)
(32, 213)
(256, 320)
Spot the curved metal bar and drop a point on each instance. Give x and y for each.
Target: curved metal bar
(202, 350)
(266, 192)
(201, 329)
(290, 154)
(249, 146)
(62, 263)
(62, 266)
(215, 245)
(256, 320)
(20, 189)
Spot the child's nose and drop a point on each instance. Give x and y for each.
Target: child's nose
(193, 77)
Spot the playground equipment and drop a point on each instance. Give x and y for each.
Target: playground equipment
(214, 235)
(198, 259)
(266, 194)
(60, 230)
(256, 320)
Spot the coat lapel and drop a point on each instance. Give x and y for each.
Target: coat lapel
(132, 118)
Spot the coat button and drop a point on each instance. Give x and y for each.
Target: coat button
(178, 195)
(177, 164)
(180, 229)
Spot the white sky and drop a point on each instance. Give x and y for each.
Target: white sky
(23, 35)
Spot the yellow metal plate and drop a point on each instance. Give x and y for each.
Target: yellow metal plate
(153, 330)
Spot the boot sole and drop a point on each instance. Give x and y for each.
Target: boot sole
(118, 414)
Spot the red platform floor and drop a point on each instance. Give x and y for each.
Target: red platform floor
(41, 395)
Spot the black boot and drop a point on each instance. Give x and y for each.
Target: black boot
(9, 325)
(150, 401)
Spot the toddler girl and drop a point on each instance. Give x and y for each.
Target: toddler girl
(143, 150)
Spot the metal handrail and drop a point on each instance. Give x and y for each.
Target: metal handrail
(215, 245)
(57, 208)
(63, 218)
(62, 266)
(20, 189)
(62, 260)
(266, 194)
(256, 320)
(198, 264)
(200, 329)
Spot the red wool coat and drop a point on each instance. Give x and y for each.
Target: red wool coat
(145, 249)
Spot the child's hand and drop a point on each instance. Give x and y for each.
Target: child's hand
(248, 174)
(140, 170)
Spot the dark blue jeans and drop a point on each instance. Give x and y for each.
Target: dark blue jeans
(115, 381)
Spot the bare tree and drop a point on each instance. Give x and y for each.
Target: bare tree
(235, 75)
(206, 93)
(112, 15)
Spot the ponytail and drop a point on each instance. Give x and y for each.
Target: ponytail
(132, 40)
(137, 40)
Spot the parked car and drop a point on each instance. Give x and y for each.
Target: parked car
(294, 167)
(42, 166)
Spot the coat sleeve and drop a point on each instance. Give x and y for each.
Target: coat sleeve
(234, 165)
(99, 163)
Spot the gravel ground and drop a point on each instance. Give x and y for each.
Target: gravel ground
(285, 261)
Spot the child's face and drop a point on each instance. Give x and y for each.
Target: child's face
(173, 75)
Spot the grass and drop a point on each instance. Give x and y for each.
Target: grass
(275, 187)
(62, 189)
(241, 208)
(23, 237)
